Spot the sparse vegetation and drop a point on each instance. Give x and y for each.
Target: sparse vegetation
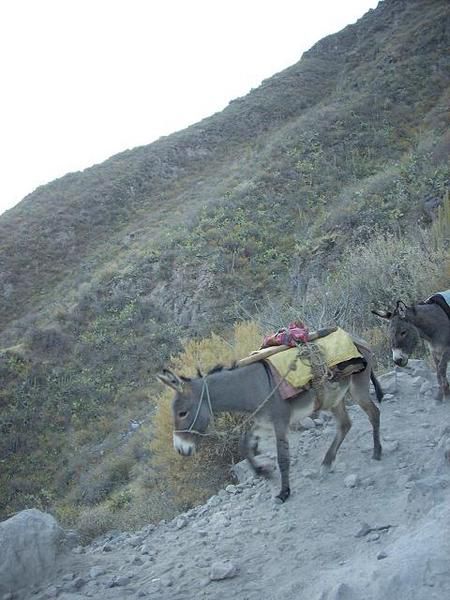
(387, 267)
(315, 196)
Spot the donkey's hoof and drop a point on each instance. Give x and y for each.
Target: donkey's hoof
(376, 455)
(326, 469)
(282, 496)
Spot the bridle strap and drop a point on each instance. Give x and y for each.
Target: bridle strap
(205, 388)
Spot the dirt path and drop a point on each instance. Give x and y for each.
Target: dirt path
(369, 530)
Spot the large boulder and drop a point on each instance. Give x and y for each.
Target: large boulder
(29, 543)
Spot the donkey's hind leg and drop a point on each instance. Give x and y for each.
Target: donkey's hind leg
(343, 425)
(360, 393)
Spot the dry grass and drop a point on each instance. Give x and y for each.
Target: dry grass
(190, 481)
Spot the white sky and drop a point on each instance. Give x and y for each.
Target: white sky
(82, 80)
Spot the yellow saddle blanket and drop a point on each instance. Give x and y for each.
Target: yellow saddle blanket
(335, 348)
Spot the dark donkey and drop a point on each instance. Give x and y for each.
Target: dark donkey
(251, 389)
(431, 321)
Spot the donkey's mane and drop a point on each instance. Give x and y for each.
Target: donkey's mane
(220, 367)
(216, 369)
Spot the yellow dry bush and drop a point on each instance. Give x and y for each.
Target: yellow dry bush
(94, 521)
(247, 337)
(187, 482)
(378, 341)
(208, 352)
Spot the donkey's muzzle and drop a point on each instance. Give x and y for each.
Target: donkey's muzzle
(399, 357)
(401, 362)
(182, 446)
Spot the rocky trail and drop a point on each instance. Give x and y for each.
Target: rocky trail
(369, 530)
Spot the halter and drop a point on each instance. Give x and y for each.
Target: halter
(197, 412)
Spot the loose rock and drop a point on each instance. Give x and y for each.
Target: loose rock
(95, 572)
(351, 481)
(222, 570)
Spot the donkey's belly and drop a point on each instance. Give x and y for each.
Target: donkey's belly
(324, 397)
(333, 393)
(303, 406)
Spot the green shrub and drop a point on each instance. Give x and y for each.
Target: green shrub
(373, 274)
(97, 483)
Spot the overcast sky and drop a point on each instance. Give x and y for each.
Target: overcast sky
(85, 79)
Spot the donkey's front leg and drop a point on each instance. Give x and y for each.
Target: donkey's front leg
(283, 463)
(442, 375)
(281, 434)
(249, 450)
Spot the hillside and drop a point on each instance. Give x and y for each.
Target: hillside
(356, 102)
(105, 273)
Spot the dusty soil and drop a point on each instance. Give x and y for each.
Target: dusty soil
(370, 530)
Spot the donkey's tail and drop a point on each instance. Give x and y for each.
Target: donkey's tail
(376, 384)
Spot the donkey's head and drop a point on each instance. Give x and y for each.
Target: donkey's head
(191, 410)
(403, 335)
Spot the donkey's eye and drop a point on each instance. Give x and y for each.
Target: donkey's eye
(182, 414)
(403, 333)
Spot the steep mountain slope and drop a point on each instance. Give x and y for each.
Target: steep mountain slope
(105, 272)
(358, 99)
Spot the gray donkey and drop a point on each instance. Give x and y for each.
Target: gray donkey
(251, 389)
(429, 320)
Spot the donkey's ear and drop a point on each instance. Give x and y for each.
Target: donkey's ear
(171, 379)
(384, 314)
(401, 309)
